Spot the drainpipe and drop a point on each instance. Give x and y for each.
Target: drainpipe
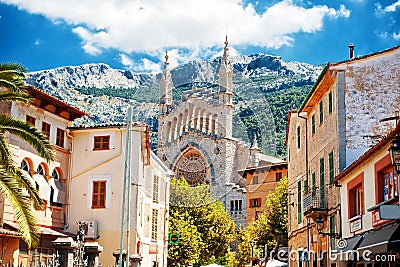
(307, 219)
(66, 223)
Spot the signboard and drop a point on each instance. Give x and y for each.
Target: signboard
(324, 243)
(389, 212)
(376, 219)
(355, 225)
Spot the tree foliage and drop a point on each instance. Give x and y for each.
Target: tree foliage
(204, 225)
(270, 229)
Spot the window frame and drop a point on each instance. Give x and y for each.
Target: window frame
(355, 196)
(313, 124)
(60, 137)
(299, 203)
(330, 102)
(298, 136)
(255, 203)
(30, 120)
(154, 225)
(331, 167)
(381, 167)
(321, 112)
(156, 188)
(99, 194)
(46, 129)
(103, 145)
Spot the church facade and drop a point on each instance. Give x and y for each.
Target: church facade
(195, 139)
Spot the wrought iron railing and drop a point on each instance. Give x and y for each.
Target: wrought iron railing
(315, 199)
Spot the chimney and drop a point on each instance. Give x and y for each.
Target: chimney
(351, 46)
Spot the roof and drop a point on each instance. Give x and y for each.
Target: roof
(270, 159)
(105, 125)
(54, 105)
(325, 75)
(282, 164)
(42, 230)
(387, 139)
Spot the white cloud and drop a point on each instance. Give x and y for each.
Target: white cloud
(126, 61)
(396, 36)
(143, 26)
(390, 8)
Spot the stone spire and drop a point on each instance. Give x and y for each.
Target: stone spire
(166, 86)
(226, 72)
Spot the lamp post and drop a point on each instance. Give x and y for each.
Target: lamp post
(320, 226)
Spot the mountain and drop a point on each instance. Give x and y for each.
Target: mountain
(105, 93)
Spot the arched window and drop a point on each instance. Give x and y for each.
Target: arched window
(40, 170)
(55, 175)
(25, 166)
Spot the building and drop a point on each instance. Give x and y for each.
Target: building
(195, 139)
(52, 116)
(260, 181)
(337, 122)
(367, 184)
(97, 185)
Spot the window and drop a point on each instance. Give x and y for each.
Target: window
(389, 180)
(330, 103)
(313, 124)
(60, 137)
(41, 171)
(278, 176)
(322, 180)
(154, 225)
(101, 142)
(255, 203)
(313, 183)
(306, 185)
(55, 175)
(299, 214)
(99, 195)
(298, 136)
(46, 129)
(331, 169)
(31, 120)
(332, 229)
(236, 205)
(155, 188)
(255, 179)
(356, 196)
(25, 166)
(321, 112)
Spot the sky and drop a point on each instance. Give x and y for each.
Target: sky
(134, 34)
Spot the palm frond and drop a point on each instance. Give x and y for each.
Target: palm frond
(5, 153)
(22, 208)
(14, 96)
(9, 85)
(12, 66)
(28, 133)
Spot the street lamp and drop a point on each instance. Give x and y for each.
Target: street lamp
(394, 152)
(320, 226)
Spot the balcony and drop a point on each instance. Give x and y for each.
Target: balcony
(316, 202)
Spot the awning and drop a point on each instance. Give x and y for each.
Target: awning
(58, 191)
(348, 252)
(382, 240)
(42, 230)
(44, 187)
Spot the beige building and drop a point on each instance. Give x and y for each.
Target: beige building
(97, 186)
(50, 178)
(338, 121)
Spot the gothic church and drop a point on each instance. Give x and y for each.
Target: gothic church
(195, 139)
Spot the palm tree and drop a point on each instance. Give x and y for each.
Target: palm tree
(14, 184)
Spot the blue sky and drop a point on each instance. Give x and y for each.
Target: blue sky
(133, 34)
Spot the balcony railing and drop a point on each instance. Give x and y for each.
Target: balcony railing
(315, 200)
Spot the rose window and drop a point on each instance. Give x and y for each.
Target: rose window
(193, 167)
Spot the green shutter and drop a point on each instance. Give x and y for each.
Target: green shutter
(314, 184)
(321, 112)
(322, 180)
(330, 107)
(299, 214)
(331, 168)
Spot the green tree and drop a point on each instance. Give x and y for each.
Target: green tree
(14, 184)
(204, 225)
(270, 229)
